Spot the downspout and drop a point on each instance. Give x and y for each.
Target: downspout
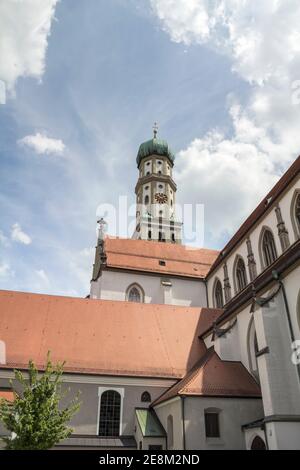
(206, 289)
(287, 309)
(183, 421)
(266, 437)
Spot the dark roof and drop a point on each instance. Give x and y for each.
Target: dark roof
(87, 441)
(154, 147)
(254, 424)
(149, 423)
(260, 210)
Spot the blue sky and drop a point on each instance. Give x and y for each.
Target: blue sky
(102, 74)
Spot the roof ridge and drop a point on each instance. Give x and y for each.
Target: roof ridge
(197, 367)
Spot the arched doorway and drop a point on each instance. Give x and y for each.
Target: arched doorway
(258, 444)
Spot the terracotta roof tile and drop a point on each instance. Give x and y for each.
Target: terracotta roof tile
(143, 255)
(213, 377)
(7, 395)
(101, 336)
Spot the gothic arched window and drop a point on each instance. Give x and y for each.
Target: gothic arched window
(135, 294)
(268, 248)
(240, 274)
(252, 347)
(219, 302)
(110, 412)
(146, 397)
(258, 444)
(297, 212)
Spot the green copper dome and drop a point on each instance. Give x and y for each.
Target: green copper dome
(154, 147)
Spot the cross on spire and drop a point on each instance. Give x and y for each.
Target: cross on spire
(102, 228)
(155, 130)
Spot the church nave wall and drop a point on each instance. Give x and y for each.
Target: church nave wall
(113, 285)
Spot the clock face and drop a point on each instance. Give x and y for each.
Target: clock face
(161, 198)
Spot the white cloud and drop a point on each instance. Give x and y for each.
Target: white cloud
(42, 276)
(24, 30)
(4, 270)
(41, 144)
(229, 176)
(81, 263)
(3, 239)
(232, 172)
(262, 38)
(19, 236)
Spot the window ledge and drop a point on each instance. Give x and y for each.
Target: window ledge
(215, 441)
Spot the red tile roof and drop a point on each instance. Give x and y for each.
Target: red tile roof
(101, 336)
(143, 255)
(213, 377)
(260, 210)
(7, 395)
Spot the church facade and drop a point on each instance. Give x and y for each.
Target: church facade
(176, 348)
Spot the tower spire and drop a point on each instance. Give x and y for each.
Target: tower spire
(155, 193)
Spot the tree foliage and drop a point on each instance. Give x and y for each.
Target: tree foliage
(36, 417)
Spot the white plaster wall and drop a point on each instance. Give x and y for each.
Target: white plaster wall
(234, 413)
(250, 435)
(147, 441)
(278, 375)
(172, 407)
(112, 285)
(283, 436)
(292, 287)
(228, 346)
(233, 346)
(147, 165)
(86, 421)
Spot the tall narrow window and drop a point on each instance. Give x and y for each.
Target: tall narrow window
(110, 411)
(146, 200)
(252, 347)
(268, 248)
(298, 313)
(212, 425)
(170, 432)
(161, 237)
(241, 277)
(219, 303)
(297, 212)
(135, 293)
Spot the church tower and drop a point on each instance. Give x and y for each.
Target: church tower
(156, 192)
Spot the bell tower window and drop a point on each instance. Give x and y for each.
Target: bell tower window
(268, 248)
(155, 159)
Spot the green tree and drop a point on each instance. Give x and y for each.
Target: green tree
(35, 418)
